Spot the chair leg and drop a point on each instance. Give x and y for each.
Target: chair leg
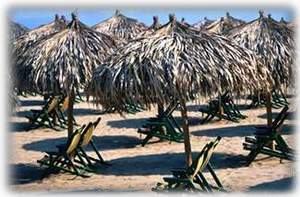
(251, 156)
(214, 175)
(198, 180)
(97, 152)
(147, 138)
(206, 184)
(85, 156)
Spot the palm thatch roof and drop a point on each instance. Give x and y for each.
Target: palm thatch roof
(65, 60)
(292, 25)
(273, 42)
(202, 24)
(120, 27)
(155, 25)
(28, 39)
(24, 43)
(175, 61)
(282, 21)
(224, 25)
(17, 30)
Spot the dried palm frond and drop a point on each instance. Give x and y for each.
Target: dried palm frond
(272, 42)
(17, 30)
(224, 25)
(203, 23)
(120, 27)
(66, 59)
(175, 61)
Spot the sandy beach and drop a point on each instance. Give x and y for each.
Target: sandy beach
(137, 168)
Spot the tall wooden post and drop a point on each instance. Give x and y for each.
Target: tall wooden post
(269, 114)
(186, 133)
(70, 113)
(160, 109)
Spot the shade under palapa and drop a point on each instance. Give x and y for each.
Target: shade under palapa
(176, 62)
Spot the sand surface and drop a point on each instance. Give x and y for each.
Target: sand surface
(137, 168)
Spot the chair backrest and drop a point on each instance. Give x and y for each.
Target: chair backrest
(87, 134)
(65, 103)
(173, 105)
(52, 103)
(203, 158)
(74, 141)
(280, 117)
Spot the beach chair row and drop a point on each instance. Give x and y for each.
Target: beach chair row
(193, 179)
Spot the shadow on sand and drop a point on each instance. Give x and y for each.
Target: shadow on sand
(18, 126)
(237, 131)
(87, 111)
(282, 185)
(195, 108)
(162, 164)
(291, 115)
(102, 143)
(36, 102)
(139, 122)
(25, 173)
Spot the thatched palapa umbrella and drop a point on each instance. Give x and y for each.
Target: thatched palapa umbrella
(120, 27)
(175, 62)
(224, 25)
(64, 62)
(21, 55)
(16, 30)
(274, 44)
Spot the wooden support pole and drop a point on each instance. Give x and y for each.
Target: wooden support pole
(186, 133)
(269, 115)
(160, 109)
(70, 113)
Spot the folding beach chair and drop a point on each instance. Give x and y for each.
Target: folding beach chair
(133, 107)
(230, 107)
(163, 127)
(129, 106)
(87, 139)
(63, 106)
(63, 159)
(222, 108)
(278, 100)
(264, 135)
(192, 178)
(46, 116)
